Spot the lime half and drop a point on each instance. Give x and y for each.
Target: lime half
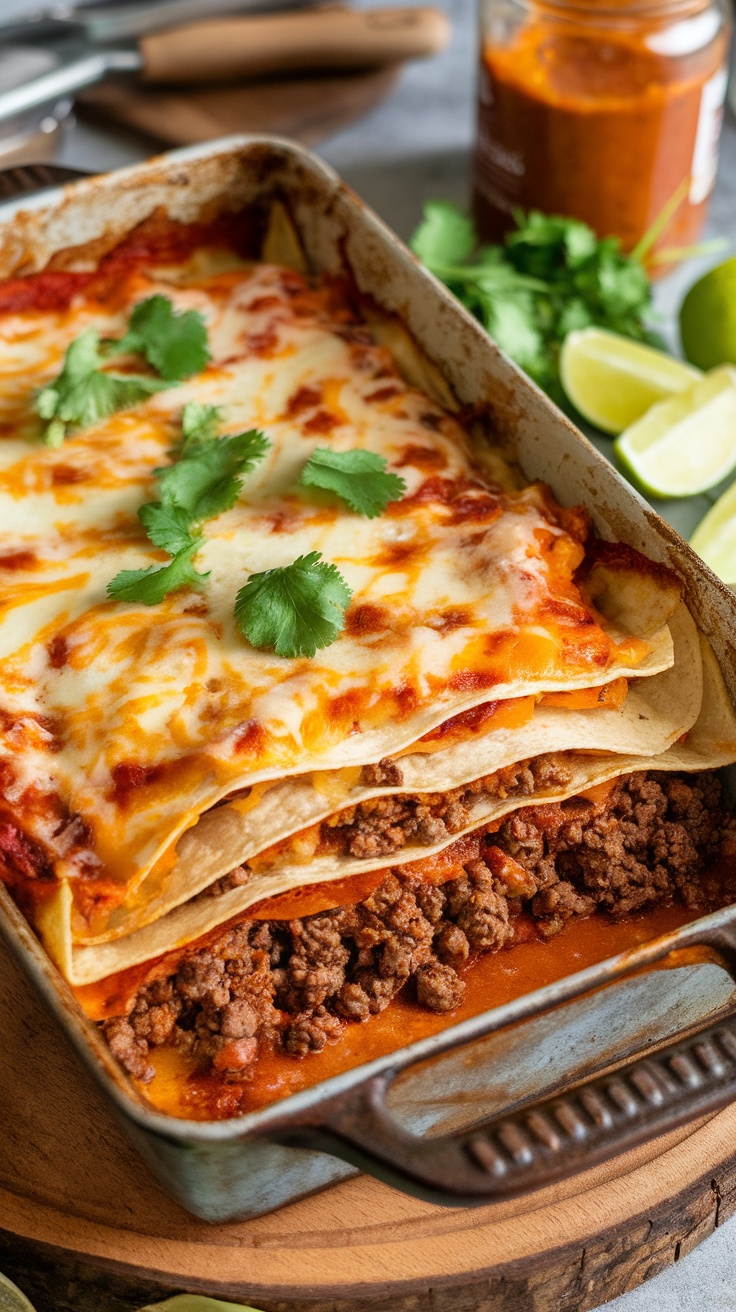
(11, 1298)
(708, 318)
(196, 1303)
(715, 537)
(687, 444)
(613, 381)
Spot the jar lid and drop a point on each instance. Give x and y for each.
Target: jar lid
(621, 11)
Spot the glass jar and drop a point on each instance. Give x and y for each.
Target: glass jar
(604, 110)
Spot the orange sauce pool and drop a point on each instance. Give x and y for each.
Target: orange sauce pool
(180, 1090)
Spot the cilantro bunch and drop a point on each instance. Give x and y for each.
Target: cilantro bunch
(172, 343)
(551, 276)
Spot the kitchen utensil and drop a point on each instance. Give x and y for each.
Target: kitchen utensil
(61, 55)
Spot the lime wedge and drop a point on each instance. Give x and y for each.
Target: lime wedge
(613, 381)
(687, 444)
(715, 537)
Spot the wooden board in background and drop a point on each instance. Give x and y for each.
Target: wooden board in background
(306, 108)
(84, 1227)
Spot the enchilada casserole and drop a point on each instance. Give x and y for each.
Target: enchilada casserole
(311, 705)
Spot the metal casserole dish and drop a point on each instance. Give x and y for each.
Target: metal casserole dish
(455, 1118)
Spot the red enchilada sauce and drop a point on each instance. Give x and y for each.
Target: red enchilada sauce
(601, 111)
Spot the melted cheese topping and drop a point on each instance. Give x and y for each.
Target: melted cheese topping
(121, 723)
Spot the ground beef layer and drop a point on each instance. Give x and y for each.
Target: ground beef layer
(383, 825)
(654, 838)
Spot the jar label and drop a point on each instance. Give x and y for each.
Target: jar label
(705, 153)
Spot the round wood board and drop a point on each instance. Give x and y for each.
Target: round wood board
(84, 1227)
(308, 108)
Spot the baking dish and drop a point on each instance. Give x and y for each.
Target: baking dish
(373, 1116)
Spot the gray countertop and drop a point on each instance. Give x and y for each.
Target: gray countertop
(415, 147)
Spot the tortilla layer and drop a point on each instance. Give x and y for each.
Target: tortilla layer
(656, 712)
(711, 743)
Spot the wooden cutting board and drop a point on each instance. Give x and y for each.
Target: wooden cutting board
(306, 108)
(84, 1228)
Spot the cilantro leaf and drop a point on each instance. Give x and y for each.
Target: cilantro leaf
(543, 243)
(199, 423)
(151, 585)
(168, 527)
(294, 609)
(510, 321)
(82, 394)
(445, 236)
(173, 342)
(207, 480)
(357, 477)
(574, 315)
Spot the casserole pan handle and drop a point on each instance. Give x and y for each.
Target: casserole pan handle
(537, 1144)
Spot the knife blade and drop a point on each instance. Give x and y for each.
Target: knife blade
(48, 55)
(116, 20)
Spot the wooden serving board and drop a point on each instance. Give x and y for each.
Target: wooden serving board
(306, 108)
(84, 1228)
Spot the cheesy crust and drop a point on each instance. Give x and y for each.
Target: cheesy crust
(122, 723)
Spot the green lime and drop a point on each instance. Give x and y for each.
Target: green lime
(686, 444)
(708, 318)
(11, 1298)
(195, 1303)
(715, 537)
(613, 381)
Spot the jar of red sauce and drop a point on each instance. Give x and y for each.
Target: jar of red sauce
(603, 110)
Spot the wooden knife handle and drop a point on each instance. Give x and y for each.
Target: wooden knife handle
(229, 48)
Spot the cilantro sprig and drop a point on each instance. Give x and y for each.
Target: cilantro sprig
(84, 392)
(199, 424)
(208, 477)
(295, 609)
(173, 342)
(151, 585)
(202, 483)
(357, 477)
(550, 276)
